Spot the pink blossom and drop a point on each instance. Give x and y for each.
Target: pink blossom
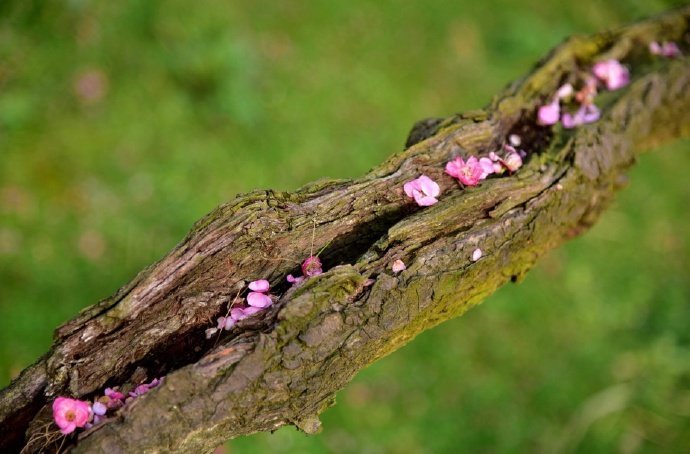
(261, 285)
(587, 113)
(259, 300)
(398, 266)
(548, 114)
(423, 190)
(612, 73)
(70, 414)
(312, 266)
(468, 172)
(667, 49)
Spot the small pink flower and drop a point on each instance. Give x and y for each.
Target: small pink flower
(261, 285)
(259, 300)
(667, 49)
(468, 172)
(549, 114)
(312, 266)
(612, 73)
(423, 190)
(70, 414)
(587, 113)
(398, 266)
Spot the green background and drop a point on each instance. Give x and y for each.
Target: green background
(193, 102)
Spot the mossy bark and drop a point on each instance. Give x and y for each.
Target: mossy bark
(285, 365)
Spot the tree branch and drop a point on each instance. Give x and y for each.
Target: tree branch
(285, 365)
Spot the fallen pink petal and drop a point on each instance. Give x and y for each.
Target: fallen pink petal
(99, 408)
(398, 266)
(70, 414)
(612, 73)
(262, 285)
(487, 167)
(260, 300)
(549, 114)
(476, 254)
(513, 161)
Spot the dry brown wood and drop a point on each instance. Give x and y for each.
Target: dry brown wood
(285, 366)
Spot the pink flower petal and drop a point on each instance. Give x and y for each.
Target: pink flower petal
(476, 254)
(565, 91)
(612, 73)
(99, 408)
(260, 300)
(549, 114)
(453, 167)
(412, 186)
(428, 186)
(261, 285)
(513, 161)
(487, 167)
(398, 266)
(424, 200)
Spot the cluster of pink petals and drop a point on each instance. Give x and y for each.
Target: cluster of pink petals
(667, 49)
(423, 190)
(612, 73)
(70, 414)
(470, 172)
(257, 300)
(311, 266)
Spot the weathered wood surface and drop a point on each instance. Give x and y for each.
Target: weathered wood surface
(285, 366)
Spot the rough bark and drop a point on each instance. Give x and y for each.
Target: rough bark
(285, 365)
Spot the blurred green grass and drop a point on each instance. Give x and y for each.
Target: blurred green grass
(121, 123)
